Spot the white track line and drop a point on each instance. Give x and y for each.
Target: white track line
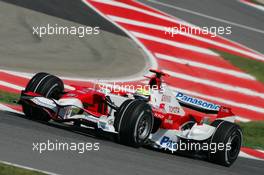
(89, 80)
(181, 21)
(245, 155)
(205, 66)
(6, 108)
(202, 39)
(174, 44)
(10, 85)
(18, 74)
(27, 168)
(23, 75)
(228, 87)
(149, 56)
(220, 100)
(171, 19)
(150, 13)
(259, 7)
(262, 151)
(130, 7)
(242, 119)
(207, 16)
(20, 88)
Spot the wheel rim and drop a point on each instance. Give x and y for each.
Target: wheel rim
(235, 142)
(143, 128)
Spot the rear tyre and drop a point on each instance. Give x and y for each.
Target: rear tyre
(226, 133)
(46, 85)
(134, 122)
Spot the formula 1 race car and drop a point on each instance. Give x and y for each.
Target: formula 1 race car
(160, 118)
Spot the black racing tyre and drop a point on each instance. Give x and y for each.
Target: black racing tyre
(134, 122)
(120, 111)
(46, 85)
(34, 81)
(226, 133)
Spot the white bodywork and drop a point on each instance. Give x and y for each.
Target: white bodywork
(168, 139)
(166, 97)
(66, 106)
(162, 138)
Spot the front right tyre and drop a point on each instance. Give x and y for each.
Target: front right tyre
(230, 135)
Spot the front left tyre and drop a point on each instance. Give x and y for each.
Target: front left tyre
(134, 122)
(46, 85)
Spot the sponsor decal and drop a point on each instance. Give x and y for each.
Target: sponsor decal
(167, 143)
(174, 109)
(102, 124)
(197, 102)
(166, 98)
(169, 121)
(158, 114)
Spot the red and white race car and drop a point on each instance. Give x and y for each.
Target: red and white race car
(160, 117)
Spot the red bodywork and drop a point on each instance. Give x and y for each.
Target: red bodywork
(172, 121)
(93, 100)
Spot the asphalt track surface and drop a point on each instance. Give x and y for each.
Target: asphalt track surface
(109, 54)
(229, 10)
(17, 134)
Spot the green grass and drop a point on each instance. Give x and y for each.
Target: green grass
(7, 97)
(12, 170)
(257, 2)
(253, 134)
(253, 67)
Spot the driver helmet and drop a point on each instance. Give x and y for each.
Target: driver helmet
(142, 94)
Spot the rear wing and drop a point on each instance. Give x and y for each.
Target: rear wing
(197, 104)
